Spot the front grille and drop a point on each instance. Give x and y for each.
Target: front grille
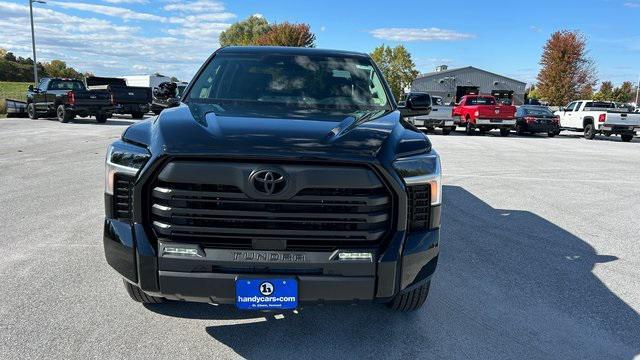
(418, 197)
(122, 192)
(314, 219)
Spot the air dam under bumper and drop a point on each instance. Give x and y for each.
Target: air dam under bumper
(210, 277)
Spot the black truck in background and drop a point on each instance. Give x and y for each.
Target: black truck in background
(132, 100)
(66, 99)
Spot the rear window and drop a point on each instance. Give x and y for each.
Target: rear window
(600, 105)
(481, 101)
(538, 111)
(66, 85)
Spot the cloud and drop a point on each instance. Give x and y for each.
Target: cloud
(126, 1)
(123, 13)
(112, 46)
(194, 6)
(632, 4)
(419, 34)
(535, 29)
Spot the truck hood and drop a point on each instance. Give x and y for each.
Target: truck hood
(185, 131)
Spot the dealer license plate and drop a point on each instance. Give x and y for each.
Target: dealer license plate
(266, 294)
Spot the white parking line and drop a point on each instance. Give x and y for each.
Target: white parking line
(598, 181)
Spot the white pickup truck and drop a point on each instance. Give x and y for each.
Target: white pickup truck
(440, 117)
(599, 117)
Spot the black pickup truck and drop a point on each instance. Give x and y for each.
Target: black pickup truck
(286, 176)
(66, 98)
(132, 100)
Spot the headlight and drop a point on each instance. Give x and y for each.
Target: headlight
(422, 169)
(123, 158)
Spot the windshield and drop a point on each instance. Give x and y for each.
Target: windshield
(538, 111)
(281, 84)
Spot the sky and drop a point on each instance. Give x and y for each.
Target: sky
(174, 37)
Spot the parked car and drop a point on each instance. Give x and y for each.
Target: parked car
(532, 119)
(483, 113)
(66, 99)
(132, 100)
(439, 117)
(286, 176)
(599, 117)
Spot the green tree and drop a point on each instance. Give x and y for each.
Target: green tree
(532, 92)
(566, 68)
(605, 92)
(397, 67)
(58, 68)
(625, 93)
(245, 32)
(287, 34)
(174, 79)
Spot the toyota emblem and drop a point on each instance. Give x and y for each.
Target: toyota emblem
(268, 182)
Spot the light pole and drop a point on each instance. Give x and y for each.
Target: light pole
(637, 93)
(33, 41)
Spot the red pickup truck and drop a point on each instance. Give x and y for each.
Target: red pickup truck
(484, 113)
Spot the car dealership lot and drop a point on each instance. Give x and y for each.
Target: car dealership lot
(540, 258)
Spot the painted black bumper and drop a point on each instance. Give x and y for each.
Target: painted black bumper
(407, 260)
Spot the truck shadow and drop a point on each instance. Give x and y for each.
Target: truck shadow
(510, 284)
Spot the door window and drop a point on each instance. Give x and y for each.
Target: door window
(570, 107)
(43, 85)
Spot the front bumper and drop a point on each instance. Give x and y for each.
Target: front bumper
(408, 259)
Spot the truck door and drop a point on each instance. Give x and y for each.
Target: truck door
(40, 97)
(566, 117)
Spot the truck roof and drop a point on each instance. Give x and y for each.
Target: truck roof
(288, 50)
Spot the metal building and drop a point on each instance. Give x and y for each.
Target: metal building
(452, 84)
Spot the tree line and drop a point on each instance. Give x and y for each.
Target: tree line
(19, 69)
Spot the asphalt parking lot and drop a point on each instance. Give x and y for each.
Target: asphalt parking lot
(540, 259)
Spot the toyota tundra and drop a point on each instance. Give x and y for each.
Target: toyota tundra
(286, 176)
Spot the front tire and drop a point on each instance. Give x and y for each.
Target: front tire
(140, 296)
(519, 130)
(551, 134)
(31, 110)
(626, 137)
(410, 300)
(447, 130)
(589, 132)
(505, 132)
(137, 115)
(64, 115)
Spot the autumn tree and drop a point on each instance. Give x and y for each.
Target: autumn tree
(605, 92)
(566, 68)
(245, 32)
(586, 92)
(286, 34)
(397, 67)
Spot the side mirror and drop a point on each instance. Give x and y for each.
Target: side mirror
(416, 105)
(31, 88)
